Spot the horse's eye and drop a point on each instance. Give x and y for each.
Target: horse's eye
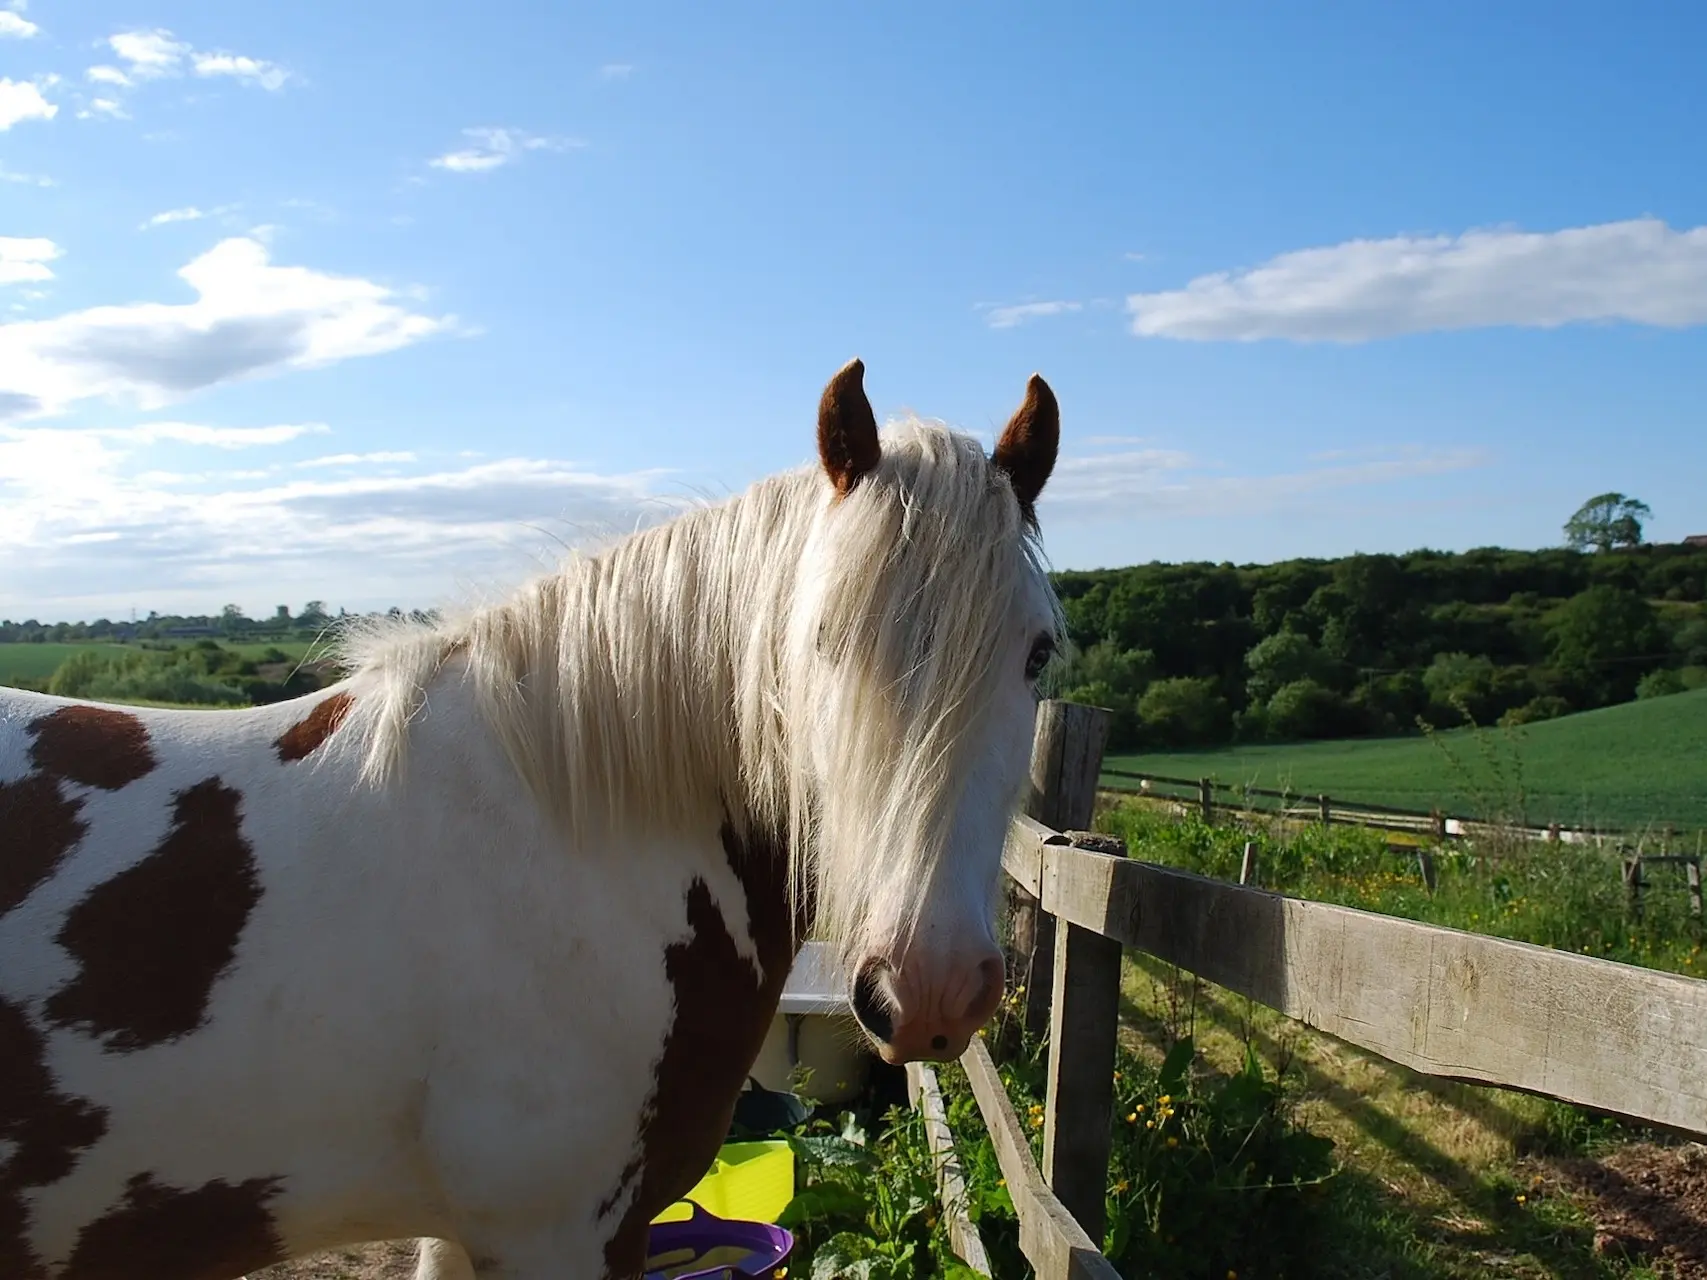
(1042, 649)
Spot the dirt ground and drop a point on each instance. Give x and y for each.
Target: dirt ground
(390, 1260)
(1648, 1203)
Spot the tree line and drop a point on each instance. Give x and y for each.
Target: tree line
(1203, 654)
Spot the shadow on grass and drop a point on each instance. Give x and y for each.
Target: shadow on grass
(1564, 1249)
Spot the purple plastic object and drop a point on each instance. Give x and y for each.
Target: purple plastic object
(682, 1243)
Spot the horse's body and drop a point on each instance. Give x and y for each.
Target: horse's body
(479, 945)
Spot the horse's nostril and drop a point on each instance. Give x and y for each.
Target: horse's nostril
(940, 1043)
(868, 1006)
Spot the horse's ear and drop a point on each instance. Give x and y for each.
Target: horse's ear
(1027, 448)
(847, 429)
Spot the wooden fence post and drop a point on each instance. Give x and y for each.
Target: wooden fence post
(1327, 809)
(1633, 885)
(1206, 799)
(1692, 869)
(1425, 864)
(1066, 761)
(1079, 1102)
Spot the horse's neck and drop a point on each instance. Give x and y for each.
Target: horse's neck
(647, 676)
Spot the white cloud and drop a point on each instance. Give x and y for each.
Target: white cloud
(189, 213)
(25, 258)
(357, 459)
(269, 75)
(616, 71)
(158, 54)
(24, 179)
(251, 318)
(212, 437)
(111, 108)
(1019, 313)
(494, 147)
(1639, 271)
(1168, 482)
(16, 26)
(130, 532)
(150, 54)
(22, 100)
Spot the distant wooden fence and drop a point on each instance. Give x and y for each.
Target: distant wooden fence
(1460, 1006)
(1207, 796)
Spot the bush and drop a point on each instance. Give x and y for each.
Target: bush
(1206, 1176)
(1660, 684)
(1305, 709)
(1183, 712)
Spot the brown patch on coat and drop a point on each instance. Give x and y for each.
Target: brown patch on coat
(97, 746)
(41, 826)
(847, 429)
(1026, 451)
(304, 737)
(721, 1017)
(46, 1130)
(216, 1232)
(154, 939)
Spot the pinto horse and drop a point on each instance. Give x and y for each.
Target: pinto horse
(478, 945)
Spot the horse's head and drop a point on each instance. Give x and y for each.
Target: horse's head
(921, 621)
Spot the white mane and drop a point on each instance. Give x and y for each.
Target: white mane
(662, 684)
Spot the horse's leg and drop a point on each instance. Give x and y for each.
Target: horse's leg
(442, 1260)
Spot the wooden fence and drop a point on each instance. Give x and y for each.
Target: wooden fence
(1612, 1037)
(1206, 796)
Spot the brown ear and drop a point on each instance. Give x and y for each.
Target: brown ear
(847, 429)
(1027, 448)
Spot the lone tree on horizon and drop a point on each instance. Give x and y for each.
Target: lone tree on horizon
(1607, 521)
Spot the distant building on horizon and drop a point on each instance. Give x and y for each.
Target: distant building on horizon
(1696, 540)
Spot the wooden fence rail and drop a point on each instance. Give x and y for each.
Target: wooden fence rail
(1203, 793)
(1612, 1037)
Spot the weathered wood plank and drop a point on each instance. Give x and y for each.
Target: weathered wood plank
(1084, 1021)
(1447, 1003)
(926, 1096)
(1055, 1245)
(1066, 760)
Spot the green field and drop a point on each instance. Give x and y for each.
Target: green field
(34, 663)
(1623, 766)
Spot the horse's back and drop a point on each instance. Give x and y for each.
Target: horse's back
(154, 971)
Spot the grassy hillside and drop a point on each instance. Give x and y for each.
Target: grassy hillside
(1619, 766)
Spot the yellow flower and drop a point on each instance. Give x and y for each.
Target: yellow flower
(1149, 1124)
(1132, 1119)
(1122, 1185)
(1174, 1142)
(1232, 1274)
(1140, 1106)
(1522, 1199)
(1165, 1099)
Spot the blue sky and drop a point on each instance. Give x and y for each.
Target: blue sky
(383, 302)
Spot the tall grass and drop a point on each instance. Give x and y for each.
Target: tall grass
(1566, 896)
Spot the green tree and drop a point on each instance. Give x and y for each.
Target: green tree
(1305, 709)
(1281, 659)
(1184, 712)
(1606, 521)
(1605, 639)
